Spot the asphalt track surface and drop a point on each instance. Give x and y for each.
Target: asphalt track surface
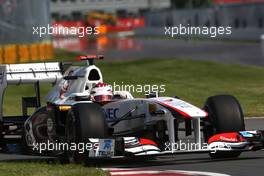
(223, 51)
(249, 163)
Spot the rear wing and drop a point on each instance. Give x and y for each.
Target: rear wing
(90, 58)
(36, 73)
(31, 73)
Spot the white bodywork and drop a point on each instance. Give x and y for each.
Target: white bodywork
(78, 87)
(140, 116)
(125, 115)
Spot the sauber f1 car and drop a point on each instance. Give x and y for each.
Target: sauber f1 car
(122, 127)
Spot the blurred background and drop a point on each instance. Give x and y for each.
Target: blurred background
(131, 29)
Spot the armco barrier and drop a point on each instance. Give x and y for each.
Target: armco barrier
(23, 53)
(10, 54)
(34, 52)
(42, 51)
(1, 53)
(13, 53)
(49, 50)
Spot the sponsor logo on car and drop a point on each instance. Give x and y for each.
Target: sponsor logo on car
(111, 113)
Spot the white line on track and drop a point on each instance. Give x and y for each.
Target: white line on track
(248, 118)
(153, 172)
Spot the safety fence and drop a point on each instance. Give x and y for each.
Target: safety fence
(246, 20)
(17, 42)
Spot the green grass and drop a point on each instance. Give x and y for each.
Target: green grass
(193, 81)
(41, 169)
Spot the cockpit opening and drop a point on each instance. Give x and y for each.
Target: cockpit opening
(93, 75)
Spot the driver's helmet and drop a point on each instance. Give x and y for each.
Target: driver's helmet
(102, 92)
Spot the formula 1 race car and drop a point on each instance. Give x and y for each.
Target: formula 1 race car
(122, 127)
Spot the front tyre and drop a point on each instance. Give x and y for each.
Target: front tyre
(84, 121)
(224, 115)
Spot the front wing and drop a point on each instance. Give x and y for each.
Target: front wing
(226, 142)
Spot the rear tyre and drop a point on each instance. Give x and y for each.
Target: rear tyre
(84, 121)
(224, 115)
(35, 130)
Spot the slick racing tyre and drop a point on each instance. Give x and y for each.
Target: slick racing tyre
(224, 115)
(39, 125)
(35, 128)
(84, 121)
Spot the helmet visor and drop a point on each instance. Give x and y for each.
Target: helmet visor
(102, 98)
